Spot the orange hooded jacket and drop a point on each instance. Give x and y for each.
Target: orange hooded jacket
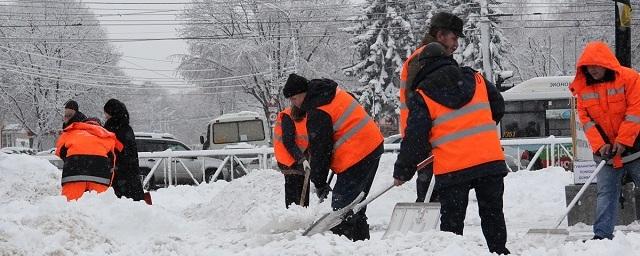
(88, 152)
(613, 105)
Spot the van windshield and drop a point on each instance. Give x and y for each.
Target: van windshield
(241, 131)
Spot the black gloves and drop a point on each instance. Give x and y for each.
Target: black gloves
(323, 191)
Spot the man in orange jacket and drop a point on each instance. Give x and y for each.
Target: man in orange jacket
(453, 115)
(290, 143)
(88, 152)
(345, 139)
(608, 103)
(444, 28)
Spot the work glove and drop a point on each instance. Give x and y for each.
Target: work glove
(306, 165)
(323, 191)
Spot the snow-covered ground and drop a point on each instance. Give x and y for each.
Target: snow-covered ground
(247, 217)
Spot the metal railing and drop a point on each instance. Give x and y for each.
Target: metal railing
(233, 158)
(554, 148)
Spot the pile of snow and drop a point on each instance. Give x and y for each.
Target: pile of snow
(248, 217)
(25, 178)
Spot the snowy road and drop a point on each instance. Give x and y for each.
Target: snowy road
(247, 217)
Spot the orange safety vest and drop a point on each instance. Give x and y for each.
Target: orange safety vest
(404, 77)
(464, 137)
(302, 140)
(355, 134)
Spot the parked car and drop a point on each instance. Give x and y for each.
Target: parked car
(18, 150)
(50, 155)
(156, 142)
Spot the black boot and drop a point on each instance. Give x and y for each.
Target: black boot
(501, 251)
(354, 227)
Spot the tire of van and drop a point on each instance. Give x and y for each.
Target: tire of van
(152, 182)
(209, 172)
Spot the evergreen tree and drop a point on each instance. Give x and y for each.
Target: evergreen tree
(470, 53)
(383, 39)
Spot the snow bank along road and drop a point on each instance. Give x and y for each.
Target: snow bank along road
(247, 217)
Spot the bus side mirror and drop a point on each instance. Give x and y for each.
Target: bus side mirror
(501, 77)
(201, 139)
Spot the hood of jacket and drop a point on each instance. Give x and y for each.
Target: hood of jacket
(93, 129)
(321, 92)
(448, 84)
(594, 54)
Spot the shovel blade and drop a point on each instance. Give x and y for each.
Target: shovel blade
(332, 219)
(413, 217)
(547, 232)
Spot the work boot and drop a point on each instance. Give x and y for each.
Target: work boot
(501, 251)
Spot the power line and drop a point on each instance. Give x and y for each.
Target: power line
(100, 65)
(89, 84)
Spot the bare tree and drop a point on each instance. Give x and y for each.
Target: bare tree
(47, 58)
(265, 39)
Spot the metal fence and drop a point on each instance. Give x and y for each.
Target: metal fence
(234, 161)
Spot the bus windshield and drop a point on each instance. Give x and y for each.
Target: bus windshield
(536, 118)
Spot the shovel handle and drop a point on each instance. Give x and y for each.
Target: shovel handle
(305, 186)
(432, 184)
(424, 163)
(371, 198)
(582, 189)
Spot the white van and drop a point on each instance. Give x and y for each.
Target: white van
(244, 129)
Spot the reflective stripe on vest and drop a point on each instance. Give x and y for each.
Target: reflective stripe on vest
(590, 96)
(355, 133)
(588, 125)
(632, 118)
(301, 138)
(465, 137)
(462, 134)
(462, 111)
(614, 91)
(86, 178)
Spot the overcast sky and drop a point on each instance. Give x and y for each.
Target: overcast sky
(135, 54)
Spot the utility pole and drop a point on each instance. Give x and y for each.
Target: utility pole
(487, 64)
(623, 32)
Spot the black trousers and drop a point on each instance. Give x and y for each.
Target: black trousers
(489, 190)
(422, 185)
(293, 190)
(349, 184)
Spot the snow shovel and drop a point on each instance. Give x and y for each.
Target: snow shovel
(415, 217)
(305, 186)
(565, 232)
(332, 219)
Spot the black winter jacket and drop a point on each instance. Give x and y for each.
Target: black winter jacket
(446, 83)
(127, 174)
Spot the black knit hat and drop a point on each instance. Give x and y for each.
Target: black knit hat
(447, 21)
(71, 104)
(295, 84)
